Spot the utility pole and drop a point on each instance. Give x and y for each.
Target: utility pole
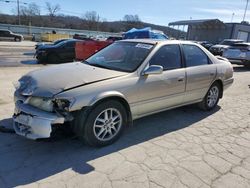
(232, 17)
(18, 13)
(245, 11)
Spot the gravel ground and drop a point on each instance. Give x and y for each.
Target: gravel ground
(184, 147)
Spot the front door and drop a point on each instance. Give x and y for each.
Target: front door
(160, 91)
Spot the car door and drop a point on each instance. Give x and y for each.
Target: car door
(160, 91)
(67, 52)
(200, 72)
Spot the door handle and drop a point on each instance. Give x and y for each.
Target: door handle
(180, 79)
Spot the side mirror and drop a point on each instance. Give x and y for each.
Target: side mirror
(153, 69)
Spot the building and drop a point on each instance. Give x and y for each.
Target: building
(213, 30)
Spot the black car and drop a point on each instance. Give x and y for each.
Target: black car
(219, 48)
(60, 53)
(205, 44)
(9, 35)
(40, 44)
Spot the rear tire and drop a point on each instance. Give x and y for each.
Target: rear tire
(103, 125)
(17, 39)
(211, 99)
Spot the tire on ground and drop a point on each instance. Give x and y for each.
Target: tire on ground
(204, 103)
(84, 127)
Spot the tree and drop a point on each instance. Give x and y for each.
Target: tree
(52, 9)
(131, 18)
(32, 10)
(91, 19)
(132, 21)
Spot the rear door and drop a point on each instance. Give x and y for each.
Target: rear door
(200, 72)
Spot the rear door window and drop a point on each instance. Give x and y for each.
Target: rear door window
(194, 56)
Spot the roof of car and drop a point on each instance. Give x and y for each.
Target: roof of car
(155, 41)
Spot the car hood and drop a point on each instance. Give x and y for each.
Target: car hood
(52, 80)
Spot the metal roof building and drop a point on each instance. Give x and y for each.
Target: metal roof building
(213, 30)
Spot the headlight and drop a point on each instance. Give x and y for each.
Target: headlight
(45, 104)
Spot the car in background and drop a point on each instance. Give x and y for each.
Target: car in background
(239, 54)
(113, 38)
(219, 48)
(127, 80)
(81, 37)
(205, 44)
(60, 53)
(38, 45)
(9, 35)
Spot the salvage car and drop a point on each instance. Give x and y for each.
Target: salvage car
(9, 35)
(238, 54)
(60, 53)
(219, 48)
(127, 80)
(42, 44)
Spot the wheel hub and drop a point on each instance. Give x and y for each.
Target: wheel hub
(107, 124)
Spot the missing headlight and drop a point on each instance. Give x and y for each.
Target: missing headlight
(63, 104)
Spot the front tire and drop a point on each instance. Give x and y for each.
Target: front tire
(104, 124)
(212, 97)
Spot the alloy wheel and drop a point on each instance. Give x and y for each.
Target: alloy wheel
(107, 124)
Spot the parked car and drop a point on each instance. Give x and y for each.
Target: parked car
(42, 44)
(9, 35)
(60, 53)
(81, 37)
(219, 48)
(112, 39)
(238, 54)
(125, 81)
(205, 44)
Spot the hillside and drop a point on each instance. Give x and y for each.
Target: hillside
(74, 22)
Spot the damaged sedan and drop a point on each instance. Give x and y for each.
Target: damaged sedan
(125, 81)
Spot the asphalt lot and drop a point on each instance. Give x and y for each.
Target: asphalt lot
(184, 147)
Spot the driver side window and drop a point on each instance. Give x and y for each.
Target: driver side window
(168, 56)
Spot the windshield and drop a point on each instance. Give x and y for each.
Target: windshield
(121, 56)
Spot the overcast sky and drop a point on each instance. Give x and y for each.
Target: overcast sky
(152, 11)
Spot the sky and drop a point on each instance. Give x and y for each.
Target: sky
(152, 11)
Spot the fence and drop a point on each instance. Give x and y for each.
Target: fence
(38, 31)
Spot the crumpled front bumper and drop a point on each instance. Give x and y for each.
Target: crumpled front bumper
(34, 123)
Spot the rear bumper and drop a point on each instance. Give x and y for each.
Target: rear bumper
(34, 123)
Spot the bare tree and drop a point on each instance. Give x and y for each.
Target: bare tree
(52, 9)
(132, 21)
(32, 10)
(92, 19)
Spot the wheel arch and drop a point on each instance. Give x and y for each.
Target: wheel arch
(219, 81)
(113, 95)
